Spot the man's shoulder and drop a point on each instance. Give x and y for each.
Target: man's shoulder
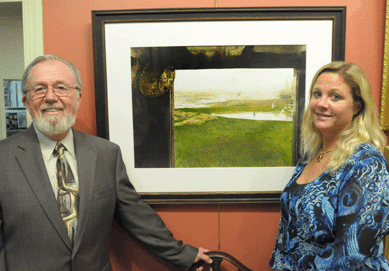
(92, 139)
(21, 136)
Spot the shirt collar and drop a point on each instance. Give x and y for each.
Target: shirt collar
(47, 144)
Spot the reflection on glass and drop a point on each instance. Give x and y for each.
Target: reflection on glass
(15, 111)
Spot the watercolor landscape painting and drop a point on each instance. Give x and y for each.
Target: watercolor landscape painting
(217, 106)
(234, 117)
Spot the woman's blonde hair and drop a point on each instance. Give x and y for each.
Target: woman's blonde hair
(364, 128)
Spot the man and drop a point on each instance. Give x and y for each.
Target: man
(60, 188)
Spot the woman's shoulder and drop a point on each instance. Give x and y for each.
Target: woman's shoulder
(299, 167)
(364, 156)
(367, 153)
(365, 164)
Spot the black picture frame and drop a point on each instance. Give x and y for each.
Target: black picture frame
(335, 17)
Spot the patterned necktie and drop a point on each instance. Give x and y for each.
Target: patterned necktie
(67, 192)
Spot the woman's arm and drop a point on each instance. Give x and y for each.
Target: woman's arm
(360, 222)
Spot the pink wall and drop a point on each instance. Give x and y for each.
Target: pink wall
(247, 231)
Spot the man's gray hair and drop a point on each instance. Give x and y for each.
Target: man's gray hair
(44, 58)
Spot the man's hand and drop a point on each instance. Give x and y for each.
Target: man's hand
(202, 257)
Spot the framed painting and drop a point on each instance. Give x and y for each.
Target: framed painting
(206, 104)
(384, 102)
(385, 77)
(386, 240)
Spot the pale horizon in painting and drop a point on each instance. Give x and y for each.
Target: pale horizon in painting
(248, 81)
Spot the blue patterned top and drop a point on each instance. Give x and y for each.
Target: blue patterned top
(336, 222)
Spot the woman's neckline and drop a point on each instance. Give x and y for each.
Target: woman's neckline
(302, 169)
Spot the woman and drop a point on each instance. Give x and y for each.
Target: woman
(335, 207)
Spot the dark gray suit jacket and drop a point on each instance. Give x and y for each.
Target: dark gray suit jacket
(32, 233)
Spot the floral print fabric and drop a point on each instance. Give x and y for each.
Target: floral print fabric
(338, 221)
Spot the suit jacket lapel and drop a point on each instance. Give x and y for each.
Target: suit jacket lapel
(86, 164)
(31, 162)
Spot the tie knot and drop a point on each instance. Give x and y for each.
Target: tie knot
(59, 149)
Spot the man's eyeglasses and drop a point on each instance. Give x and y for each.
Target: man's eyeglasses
(59, 90)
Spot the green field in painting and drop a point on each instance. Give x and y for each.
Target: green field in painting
(202, 140)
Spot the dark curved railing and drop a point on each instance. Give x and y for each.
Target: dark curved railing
(217, 257)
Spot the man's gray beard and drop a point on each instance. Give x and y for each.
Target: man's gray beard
(47, 127)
